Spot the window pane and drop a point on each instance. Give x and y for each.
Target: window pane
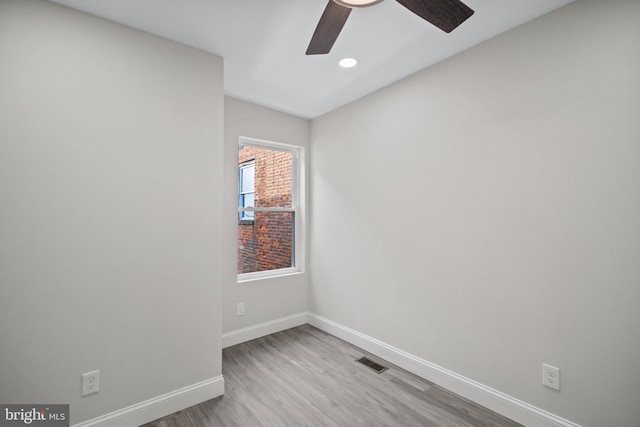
(247, 179)
(271, 176)
(267, 243)
(248, 201)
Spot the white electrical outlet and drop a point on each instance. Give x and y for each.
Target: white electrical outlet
(240, 309)
(90, 382)
(551, 376)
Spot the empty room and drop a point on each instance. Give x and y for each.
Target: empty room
(320, 213)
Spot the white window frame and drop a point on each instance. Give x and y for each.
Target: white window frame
(297, 207)
(246, 165)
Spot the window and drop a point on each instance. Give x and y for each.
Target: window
(269, 209)
(246, 190)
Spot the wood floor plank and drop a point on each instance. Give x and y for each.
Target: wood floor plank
(305, 377)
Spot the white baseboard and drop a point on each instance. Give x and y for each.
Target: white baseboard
(262, 329)
(158, 407)
(495, 400)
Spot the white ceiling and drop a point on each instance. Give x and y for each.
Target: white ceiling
(263, 43)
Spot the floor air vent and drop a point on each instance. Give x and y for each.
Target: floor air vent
(373, 365)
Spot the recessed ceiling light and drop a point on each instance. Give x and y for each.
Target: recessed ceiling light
(348, 62)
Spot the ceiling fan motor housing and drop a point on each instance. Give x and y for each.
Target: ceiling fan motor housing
(357, 3)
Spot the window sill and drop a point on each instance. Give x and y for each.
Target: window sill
(270, 274)
(245, 222)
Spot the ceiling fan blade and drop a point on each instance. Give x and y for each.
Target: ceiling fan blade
(328, 29)
(444, 14)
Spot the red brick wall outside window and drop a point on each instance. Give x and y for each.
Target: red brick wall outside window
(266, 243)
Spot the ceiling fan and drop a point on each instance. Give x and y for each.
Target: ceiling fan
(444, 14)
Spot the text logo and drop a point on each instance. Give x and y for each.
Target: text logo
(34, 415)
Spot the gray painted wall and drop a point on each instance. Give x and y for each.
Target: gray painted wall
(111, 202)
(484, 214)
(265, 299)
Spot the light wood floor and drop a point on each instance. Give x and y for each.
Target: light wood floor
(305, 377)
